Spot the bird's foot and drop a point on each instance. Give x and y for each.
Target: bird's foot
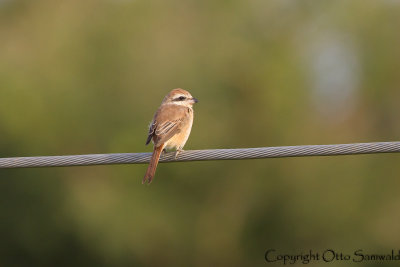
(179, 150)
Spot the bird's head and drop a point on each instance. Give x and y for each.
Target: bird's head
(180, 97)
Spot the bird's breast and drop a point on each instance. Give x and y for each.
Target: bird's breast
(179, 139)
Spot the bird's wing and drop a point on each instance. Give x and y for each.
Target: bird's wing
(152, 129)
(167, 122)
(167, 130)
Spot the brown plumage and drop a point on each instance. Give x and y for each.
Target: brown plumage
(151, 170)
(170, 127)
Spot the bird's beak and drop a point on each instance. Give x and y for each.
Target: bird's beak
(195, 100)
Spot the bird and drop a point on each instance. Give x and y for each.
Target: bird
(170, 127)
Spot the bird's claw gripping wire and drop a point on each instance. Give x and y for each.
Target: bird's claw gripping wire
(179, 150)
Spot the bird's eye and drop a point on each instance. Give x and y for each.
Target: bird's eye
(181, 98)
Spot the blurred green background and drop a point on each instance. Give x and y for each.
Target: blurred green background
(82, 77)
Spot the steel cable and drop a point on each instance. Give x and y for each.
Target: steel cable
(200, 155)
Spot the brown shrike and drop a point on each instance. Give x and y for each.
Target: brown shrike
(170, 127)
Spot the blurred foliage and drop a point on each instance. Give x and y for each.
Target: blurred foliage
(86, 76)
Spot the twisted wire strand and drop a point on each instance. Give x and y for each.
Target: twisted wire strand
(200, 155)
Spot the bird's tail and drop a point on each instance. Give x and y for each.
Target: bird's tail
(151, 170)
